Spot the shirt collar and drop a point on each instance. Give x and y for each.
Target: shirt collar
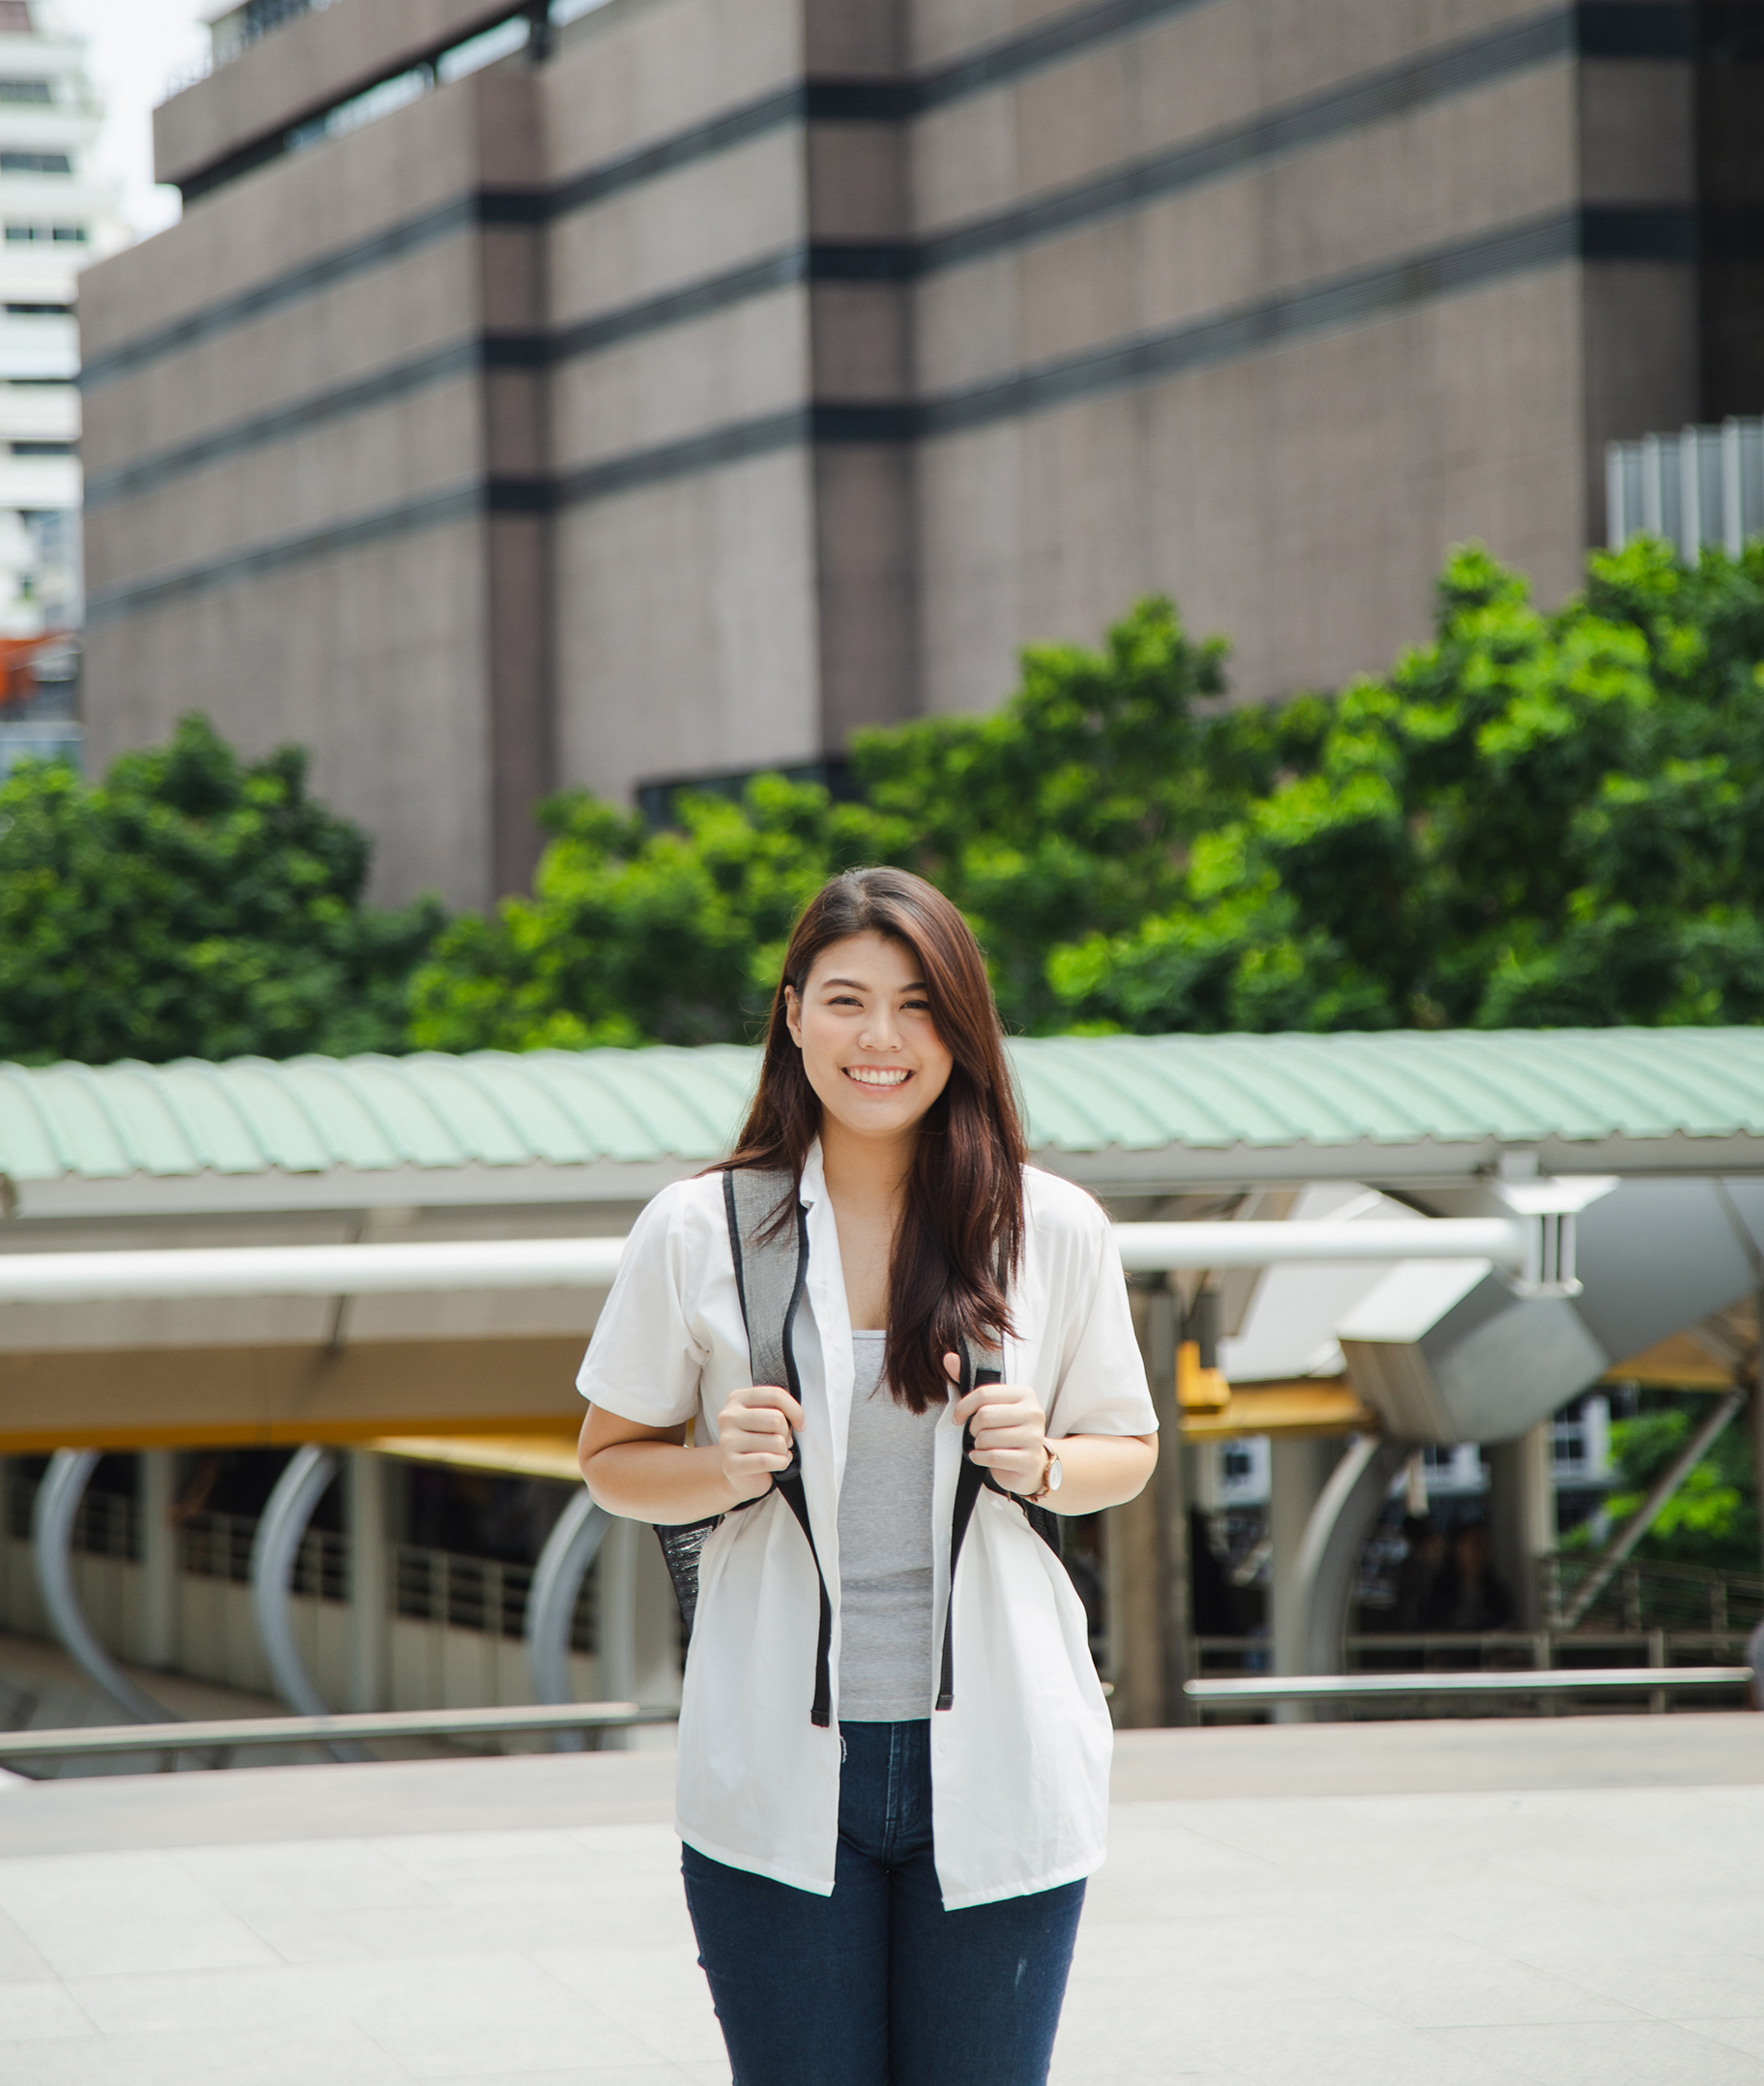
(814, 1183)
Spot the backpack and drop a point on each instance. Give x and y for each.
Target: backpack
(771, 1270)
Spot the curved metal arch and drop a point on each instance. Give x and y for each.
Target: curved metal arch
(557, 1578)
(274, 1549)
(57, 1501)
(1329, 1557)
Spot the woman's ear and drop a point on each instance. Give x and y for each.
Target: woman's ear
(793, 1016)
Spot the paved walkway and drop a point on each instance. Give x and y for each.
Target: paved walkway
(1450, 1904)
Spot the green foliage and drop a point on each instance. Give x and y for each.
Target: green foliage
(1535, 821)
(1713, 1519)
(191, 904)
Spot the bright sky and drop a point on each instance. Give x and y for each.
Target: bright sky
(134, 48)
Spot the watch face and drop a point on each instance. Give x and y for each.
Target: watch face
(1054, 1475)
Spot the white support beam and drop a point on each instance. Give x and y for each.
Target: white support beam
(515, 1264)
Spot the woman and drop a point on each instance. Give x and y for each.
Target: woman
(889, 1896)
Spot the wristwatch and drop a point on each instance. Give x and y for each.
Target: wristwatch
(1050, 1478)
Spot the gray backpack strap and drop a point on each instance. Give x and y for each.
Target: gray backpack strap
(771, 1264)
(771, 1272)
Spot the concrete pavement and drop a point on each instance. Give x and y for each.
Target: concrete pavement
(1443, 1904)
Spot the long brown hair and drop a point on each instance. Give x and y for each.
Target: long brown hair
(961, 1229)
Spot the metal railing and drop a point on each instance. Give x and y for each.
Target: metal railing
(1517, 1663)
(1591, 1682)
(448, 1587)
(219, 1546)
(1642, 1595)
(221, 1736)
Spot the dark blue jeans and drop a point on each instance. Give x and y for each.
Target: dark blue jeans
(877, 1985)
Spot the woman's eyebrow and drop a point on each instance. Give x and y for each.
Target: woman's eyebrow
(856, 985)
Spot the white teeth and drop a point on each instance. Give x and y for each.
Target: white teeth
(874, 1076)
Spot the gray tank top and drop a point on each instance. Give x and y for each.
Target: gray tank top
(885, 1551)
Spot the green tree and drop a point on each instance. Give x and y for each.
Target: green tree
(192, 904)
(1538, 820)
(1713, 1519)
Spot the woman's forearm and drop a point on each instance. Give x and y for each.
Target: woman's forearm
(1101, 1470)
(658, 1481)
(661, 1482)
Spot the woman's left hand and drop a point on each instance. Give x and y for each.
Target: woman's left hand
(1009, 1430)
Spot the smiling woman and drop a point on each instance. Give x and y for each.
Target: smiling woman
(885, 1876)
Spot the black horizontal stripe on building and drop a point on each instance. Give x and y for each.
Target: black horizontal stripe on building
(294, 287)
(1629, 29)
(283, 424)
(1668, 233)
(1672, 234)
(358, 532)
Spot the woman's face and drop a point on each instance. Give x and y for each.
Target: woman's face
(863, 1026)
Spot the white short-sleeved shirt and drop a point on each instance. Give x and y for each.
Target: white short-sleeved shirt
(1020, 1762)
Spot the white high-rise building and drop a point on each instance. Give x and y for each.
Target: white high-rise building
(55, 216)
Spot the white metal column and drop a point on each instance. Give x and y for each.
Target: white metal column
(1298, 1473)
(1523, 1516)
(58, 1498)
(618, 1620)
(158, 1560)
(369, 1594)
(557, 1578)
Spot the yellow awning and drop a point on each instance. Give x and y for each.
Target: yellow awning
(1302, 1406)
(517, 1456)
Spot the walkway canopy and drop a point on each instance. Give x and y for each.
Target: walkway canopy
(556, 1144)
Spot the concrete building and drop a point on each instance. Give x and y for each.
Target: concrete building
(55, 216)
(700, 380)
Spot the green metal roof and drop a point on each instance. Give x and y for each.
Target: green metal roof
(308, 1116)
(1127, 1095)
(1516, 1086)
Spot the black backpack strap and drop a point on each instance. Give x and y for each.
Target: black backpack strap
(971, 1480)
(970, 1477)
(771, 1275)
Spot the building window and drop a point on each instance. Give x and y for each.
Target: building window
(263, 15)
(35, 162)
(24, 235)
(32, 91)
(43, 448)
(35, 311)
(14, 18)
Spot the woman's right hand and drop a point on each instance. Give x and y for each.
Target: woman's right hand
(754, 1432)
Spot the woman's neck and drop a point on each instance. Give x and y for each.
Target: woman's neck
(867, 1187)
(865, 1173)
